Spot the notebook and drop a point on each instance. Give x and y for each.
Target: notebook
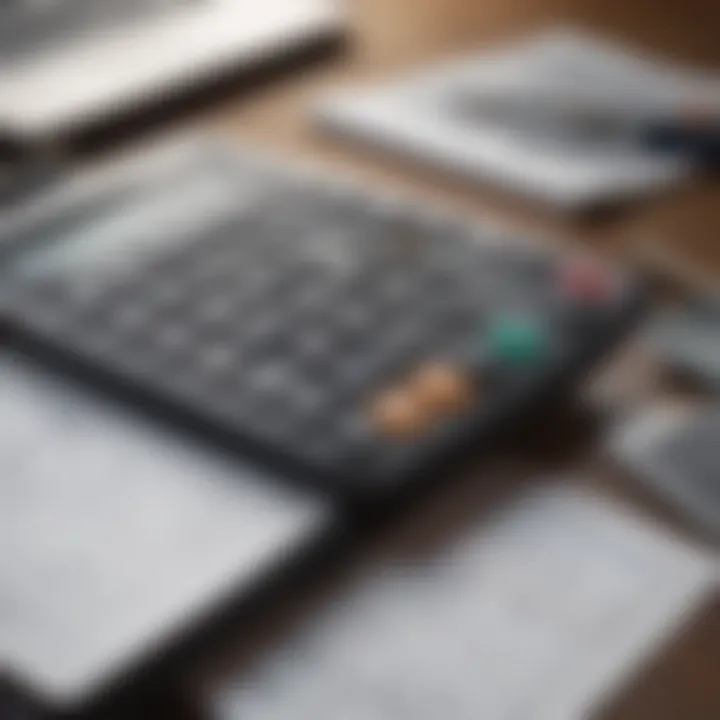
(420, 117)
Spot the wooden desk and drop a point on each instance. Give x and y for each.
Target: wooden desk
(394, 35)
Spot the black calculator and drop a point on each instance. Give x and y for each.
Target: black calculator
(355, 338)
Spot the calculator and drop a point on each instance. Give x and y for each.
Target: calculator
(357, 339)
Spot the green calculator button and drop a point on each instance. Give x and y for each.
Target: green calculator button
(516, 341)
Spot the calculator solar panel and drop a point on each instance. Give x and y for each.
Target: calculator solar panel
(355, 337)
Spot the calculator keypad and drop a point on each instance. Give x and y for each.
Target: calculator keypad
(342, 332)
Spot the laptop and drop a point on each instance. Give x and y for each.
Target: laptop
(69, 64)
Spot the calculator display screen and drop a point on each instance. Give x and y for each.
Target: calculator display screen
(149, 219)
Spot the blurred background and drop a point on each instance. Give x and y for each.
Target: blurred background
(569, 571)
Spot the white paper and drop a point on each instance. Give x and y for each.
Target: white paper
(532, 616)
(115, 535)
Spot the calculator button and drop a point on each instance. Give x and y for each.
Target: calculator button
(516, 341)
(216, 309)
(583, 281)
(399, 413)
(217, 359)
(443, 387)
(173, 337)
